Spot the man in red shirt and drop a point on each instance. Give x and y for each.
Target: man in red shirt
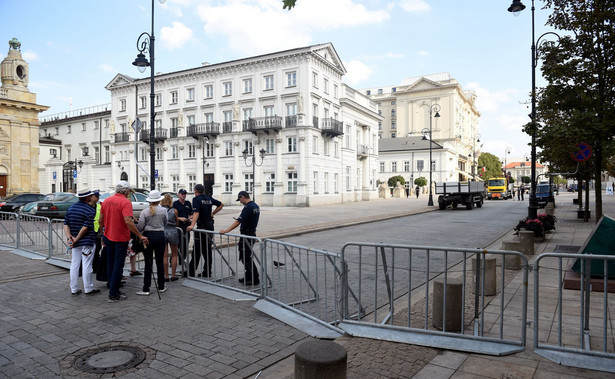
(116, 218)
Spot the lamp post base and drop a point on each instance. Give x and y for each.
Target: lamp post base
(430, 201)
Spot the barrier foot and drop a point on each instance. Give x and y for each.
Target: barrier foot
(578, 360)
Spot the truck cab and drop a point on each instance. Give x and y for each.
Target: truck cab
(497, 188)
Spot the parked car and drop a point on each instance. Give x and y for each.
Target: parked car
(543, 195)
(137, 198)
(173, 195)
(57, 207)
(31, 208)
(13, 203)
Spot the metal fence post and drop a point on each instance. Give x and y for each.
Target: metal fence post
(17, 218)
(50, 239)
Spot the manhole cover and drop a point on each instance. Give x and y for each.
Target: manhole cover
(104, 360)
(569, 249)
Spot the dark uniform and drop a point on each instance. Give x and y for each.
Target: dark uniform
(249, 221)
(183, 210)
(203, 242)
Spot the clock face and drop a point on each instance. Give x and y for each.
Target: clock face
(21, 72)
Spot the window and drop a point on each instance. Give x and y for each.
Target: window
(268, 82)
(420, 164)
(393, 125)
(379, 91)
(347, 137)
(393, 102)
(158, 100)
(209, 91)
(315, 190)
(122, 105)
(269, 111)
(228, 116)
(228, 88)
(173, 97)
(191, 182)
(142, 102)
(392, 112)
(347, 178)
(143, 154)
(190, 94)
(175, 182)
(191, 120)
(247, 184)
(314, 145)
(107, 154)
(68, 129)
(83, 129)
(335, 89)
(228, 148)
(68, 154)
(393, 135)
(158, 124)
(407, 166)
(314, 80)
(228, 182)
(336, 149)
(292, 144)
(247, 85)
(394, 89)
(192, 151)
(247, 145)
(326, 182)
(209, 149)
(381, 166)
(368, 92)
(393, 166)
(269, 181)
(433, 165)
(145, 180)
(291, 109)
(326, 85)
(270, 146)
(97, 154)
(174, 122)
(336, 180)
(209, 117)
(291, 79)
(292, 181)
(247, 113)
(174, 153)
(326, 145)
(96, 125)
(159, 153)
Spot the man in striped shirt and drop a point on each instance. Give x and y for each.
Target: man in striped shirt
(79, 230)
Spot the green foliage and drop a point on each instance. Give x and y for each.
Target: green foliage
(392, 182)
(420, 181)
(289, 4)
(492, 165)
(526, 179)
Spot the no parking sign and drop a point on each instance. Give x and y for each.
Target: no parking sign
(582, 153)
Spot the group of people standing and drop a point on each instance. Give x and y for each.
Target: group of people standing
(113, 222)
(519, 192)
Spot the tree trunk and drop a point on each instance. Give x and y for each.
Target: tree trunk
(586, 215)
(598, 180)
(580, 191)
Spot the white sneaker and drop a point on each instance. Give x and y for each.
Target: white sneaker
(143, 293)
(163, 290)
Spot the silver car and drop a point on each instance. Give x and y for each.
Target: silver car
(137, 199)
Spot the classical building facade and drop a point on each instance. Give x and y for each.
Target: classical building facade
(432, 101)
(19, 124)
(313, 138)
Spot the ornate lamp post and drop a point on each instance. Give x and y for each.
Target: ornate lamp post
(145, 43)
(253, 164)
(474, 162)
(433, 108)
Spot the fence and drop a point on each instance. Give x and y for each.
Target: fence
(32, 233)
(580, 349)
(386, 277)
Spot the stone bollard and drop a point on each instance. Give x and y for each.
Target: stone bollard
(317, 359)
(526, 237)
(490, 275)
(512, 262)
(454, 289)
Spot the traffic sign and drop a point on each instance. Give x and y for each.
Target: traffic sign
(75, 174)
(55, 175)
(136, 125)
(156, 174)
(582, 153)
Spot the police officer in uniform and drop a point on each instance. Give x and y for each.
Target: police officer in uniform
(184, 212)
(249, 221)
(203, 217)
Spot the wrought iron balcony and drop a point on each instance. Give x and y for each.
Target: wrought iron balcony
(174, 132)
(291, 121)
(160, 135)
(362, 151)
(227, 127)
(264, 124)
(121, 137)
(332, 127)
(207, 129)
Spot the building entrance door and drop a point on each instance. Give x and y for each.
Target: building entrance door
(208, 183)
(3, 184)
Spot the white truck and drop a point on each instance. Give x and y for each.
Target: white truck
(464, 193)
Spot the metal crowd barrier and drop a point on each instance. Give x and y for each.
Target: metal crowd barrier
(575, 309)
(26, 232)
(8, 229)
(386, 277)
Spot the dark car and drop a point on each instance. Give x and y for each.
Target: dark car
(13, 203)
(543, 195)
(57, 207)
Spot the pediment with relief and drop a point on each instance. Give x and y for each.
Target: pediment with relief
(327, 51)
(119, 80)
(424, 84)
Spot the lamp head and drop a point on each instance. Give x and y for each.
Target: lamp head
(245, 153)
(80, 163)
(141, 62)
(516, 7)
(437, 114)
(262, 152)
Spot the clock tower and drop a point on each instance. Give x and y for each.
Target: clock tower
(19, 124)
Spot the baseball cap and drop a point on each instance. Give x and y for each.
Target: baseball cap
(122, 184)
(242, 194)
(182, 191)
(199, 188)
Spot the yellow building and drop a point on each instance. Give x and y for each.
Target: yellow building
(18, 126)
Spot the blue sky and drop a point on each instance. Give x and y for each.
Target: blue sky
(75, 47)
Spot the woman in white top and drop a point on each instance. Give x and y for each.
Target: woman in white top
(151, 224)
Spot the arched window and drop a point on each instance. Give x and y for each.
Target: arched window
(124, 176)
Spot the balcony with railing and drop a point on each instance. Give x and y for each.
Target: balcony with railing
(160, 135)
(227, 127)
(121, 137)
(331, 127)
(207, 129)
(173, 132)
(264, 124)
(291, 121)
(362, 151)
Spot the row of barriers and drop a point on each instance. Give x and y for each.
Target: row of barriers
(398, 292)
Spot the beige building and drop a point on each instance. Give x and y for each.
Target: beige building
(19, 124)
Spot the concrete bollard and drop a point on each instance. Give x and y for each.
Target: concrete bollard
(490, 275)
(513, 262)
(550, 208)
(526, 237)
(319, 359)
(454, 289)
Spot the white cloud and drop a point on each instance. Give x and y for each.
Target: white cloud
(176, 36)
(29, 56)
(414, 6)
(357, 72)
(106, 68)
(423, 53)
(487, 101)
(254, 27)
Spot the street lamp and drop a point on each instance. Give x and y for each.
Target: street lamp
(433, 108)
(506, 152)
(145, 43)
(474, 163)
(254, 164)
(516, 7)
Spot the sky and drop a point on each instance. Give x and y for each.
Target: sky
(75, 47)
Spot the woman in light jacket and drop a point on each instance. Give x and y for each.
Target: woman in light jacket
(170, 232)
(151, 224)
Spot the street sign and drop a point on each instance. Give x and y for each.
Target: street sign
(156, 174)
(75, 174)
(582, 153)
(55, 175)
(137, 125)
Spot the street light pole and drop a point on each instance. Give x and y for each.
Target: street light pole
(474, 162)
(146, 42)
(433, 108)
(254, 164)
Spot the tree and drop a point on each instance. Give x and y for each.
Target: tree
(289, 4)
(392, 182)
(577, 104)
(421, 181)
(492, 165)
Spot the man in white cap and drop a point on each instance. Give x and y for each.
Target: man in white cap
(116, 217)
(79, 231)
